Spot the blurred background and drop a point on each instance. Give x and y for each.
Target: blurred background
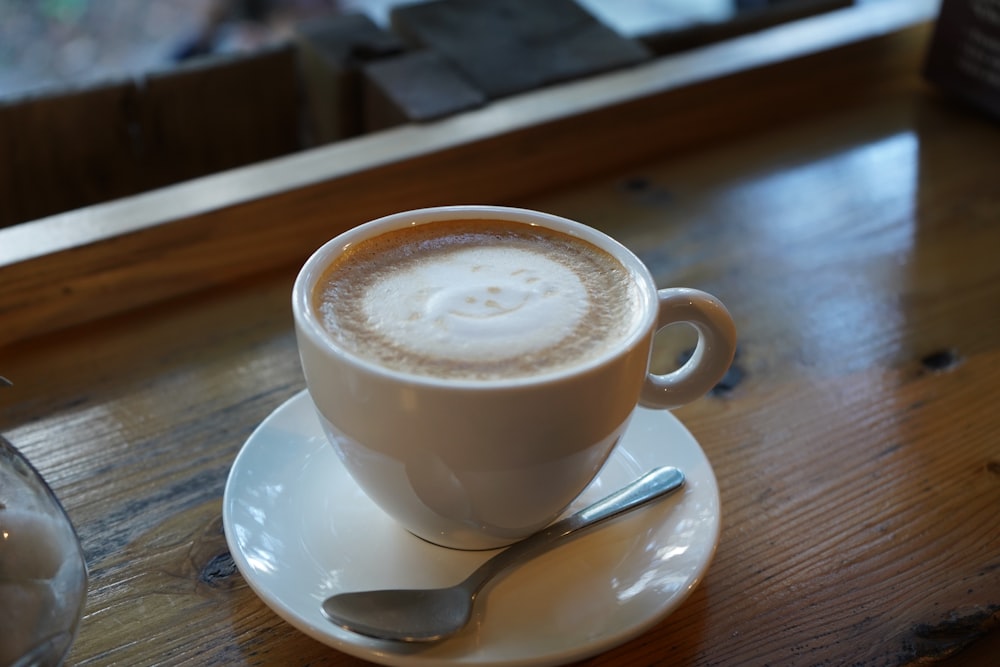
(46, 43)
(103, 99)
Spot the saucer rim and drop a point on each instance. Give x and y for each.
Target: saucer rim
(389, 653)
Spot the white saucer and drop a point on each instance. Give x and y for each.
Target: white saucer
(300, 530)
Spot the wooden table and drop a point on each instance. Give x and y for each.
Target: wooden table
(845, 211)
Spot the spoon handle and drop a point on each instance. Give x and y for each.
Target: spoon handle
(654, 484)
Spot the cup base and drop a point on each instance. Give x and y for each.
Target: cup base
(468, 510)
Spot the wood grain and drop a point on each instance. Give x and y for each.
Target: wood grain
(855, 441)
(860, 447)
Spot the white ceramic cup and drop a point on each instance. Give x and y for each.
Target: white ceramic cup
(477, 464)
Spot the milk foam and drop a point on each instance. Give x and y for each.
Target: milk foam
(476, 299)
(478, 304)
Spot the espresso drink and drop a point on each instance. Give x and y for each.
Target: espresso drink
(476, 300)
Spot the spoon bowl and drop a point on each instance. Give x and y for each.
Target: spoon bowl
(430, 615)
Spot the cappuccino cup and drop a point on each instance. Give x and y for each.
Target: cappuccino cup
(475, 366)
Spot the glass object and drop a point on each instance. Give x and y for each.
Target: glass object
(43, 574)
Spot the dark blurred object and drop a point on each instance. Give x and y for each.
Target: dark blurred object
(964, 56)
(221, 16)
(415, 87)
(332, 52)
(73, 148)
(505, 47)
(203, 40)
(218, 113)
(65, 149)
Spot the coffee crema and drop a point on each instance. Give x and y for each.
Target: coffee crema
(476, 300)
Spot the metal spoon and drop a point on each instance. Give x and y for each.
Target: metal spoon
(428, 615)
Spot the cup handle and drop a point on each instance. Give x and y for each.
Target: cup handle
(711, 358)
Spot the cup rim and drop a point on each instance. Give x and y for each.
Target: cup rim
(308, 323)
